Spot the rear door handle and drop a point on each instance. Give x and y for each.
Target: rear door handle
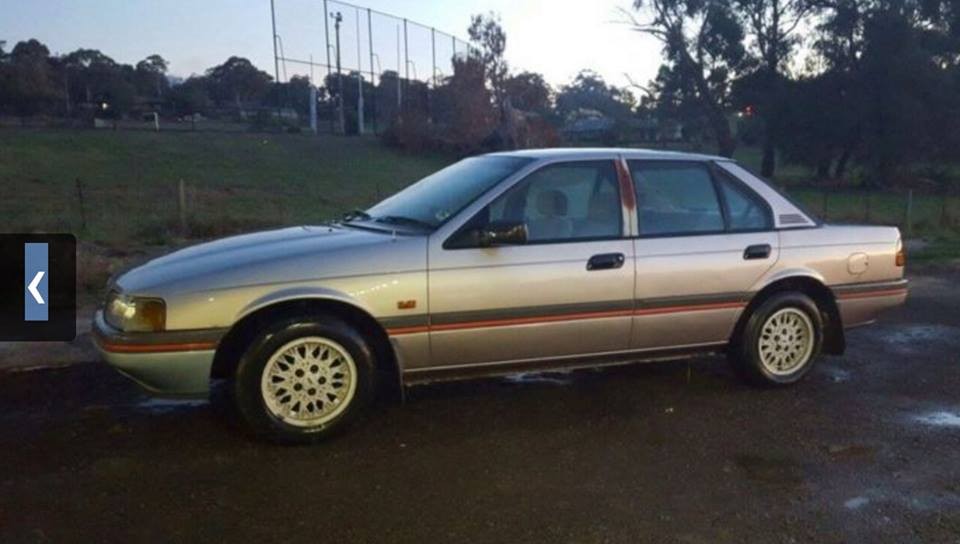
(759, 251)
(605, 261)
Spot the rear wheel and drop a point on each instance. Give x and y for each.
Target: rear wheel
(780, 340)
(303, 379)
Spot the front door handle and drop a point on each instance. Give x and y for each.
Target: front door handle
(759, 251)
(605, 261)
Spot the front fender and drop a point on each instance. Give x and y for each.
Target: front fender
(299, 293)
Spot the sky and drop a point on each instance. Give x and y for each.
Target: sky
(557, 38)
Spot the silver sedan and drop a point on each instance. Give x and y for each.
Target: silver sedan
(519, 261)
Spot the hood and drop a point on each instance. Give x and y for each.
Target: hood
(277, 256)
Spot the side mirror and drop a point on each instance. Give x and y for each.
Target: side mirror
(501, 233)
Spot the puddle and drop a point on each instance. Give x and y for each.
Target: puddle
(836, 375)
(856, 503)
(912, 337)
(940, 419)
(553, 378)
(164, 406)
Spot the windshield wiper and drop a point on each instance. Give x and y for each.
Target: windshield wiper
(401, 220)
(357, 213)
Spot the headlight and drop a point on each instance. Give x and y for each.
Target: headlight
(135, 314)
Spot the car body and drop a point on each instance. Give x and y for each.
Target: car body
(615, 255)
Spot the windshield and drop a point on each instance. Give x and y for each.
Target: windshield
(432, 200)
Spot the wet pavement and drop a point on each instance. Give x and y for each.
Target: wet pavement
(867, 449)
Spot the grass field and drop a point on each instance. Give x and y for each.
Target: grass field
(234, 182)
(239, 182)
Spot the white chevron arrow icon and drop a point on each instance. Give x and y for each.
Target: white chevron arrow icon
(33, 287)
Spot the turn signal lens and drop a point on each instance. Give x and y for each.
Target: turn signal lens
(901, 254)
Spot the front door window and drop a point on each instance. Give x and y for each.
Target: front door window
(563, 203)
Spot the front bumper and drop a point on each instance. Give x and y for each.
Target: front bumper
(170, 363)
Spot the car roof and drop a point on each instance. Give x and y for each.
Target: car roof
(597, 152)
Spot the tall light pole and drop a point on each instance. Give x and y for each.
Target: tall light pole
(373, 77)
(276, 60)
(359, 79)
(326, 41)
(337, 19)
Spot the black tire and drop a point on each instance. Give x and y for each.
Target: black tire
(245, 385)
(744, 353)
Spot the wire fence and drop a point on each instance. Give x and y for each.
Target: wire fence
(915, 213)
(363, 60)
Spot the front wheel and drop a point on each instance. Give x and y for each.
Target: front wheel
(302, 379)
(780, 340)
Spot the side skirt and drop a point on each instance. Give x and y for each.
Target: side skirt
(418, 376)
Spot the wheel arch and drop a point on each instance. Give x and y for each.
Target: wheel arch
(242, 332)
(834, 341)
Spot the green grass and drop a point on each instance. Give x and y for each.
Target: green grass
(234, 182)
(931, 215)
(943, 248)
(240, 181)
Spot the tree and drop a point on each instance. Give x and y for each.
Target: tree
(770, 25)
(589, 91)
(893, 100)
(528, 91)
(30, 83)
(191, 97)
(489, 43)
(462, 106)
(350, 97)
(237, 80)
(88, 72)
(151, 75)
(703, 45)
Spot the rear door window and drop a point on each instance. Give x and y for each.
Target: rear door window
(675, 198)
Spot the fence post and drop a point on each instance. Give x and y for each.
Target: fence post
(83, 213)
(826, 204)
(867, 202)
(909, 214)
(182, 206)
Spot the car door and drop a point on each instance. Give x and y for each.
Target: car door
(704, 239)
(567, 291)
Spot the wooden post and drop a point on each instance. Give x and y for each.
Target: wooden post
(83, 213)
(182, 206)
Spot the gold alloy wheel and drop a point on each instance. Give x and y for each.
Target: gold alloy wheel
(786, 341)
(309, 381)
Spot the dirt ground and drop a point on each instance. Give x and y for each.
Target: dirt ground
(867, 449)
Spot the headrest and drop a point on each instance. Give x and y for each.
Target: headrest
(552, 203)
